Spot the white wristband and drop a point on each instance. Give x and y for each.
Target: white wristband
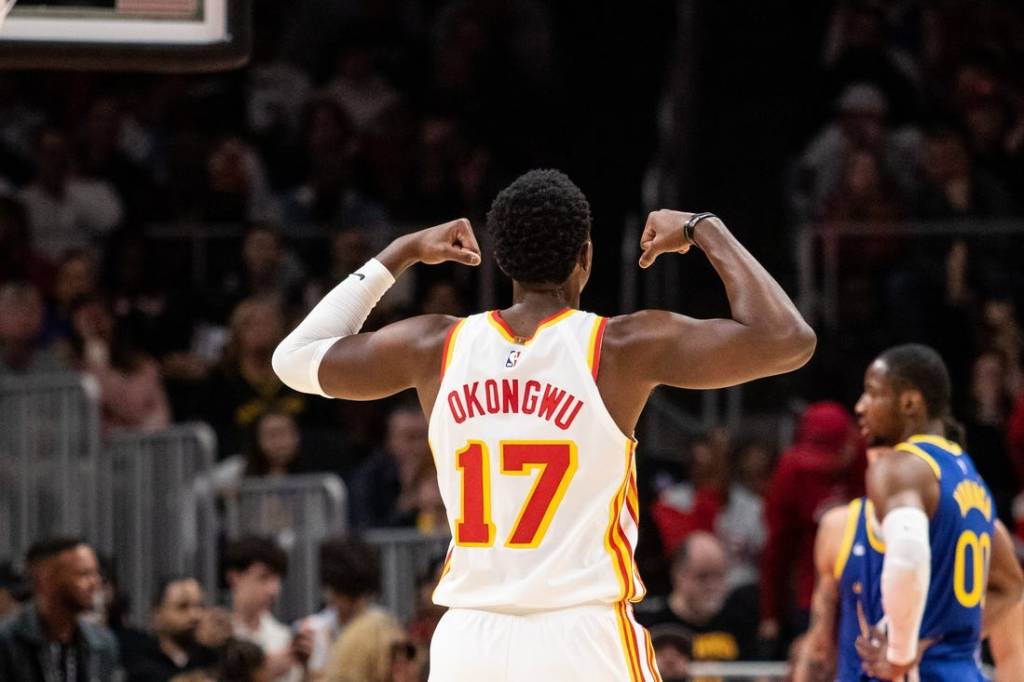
(340, 313)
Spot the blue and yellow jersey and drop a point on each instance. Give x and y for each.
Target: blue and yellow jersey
(858, 569)
(961, 540)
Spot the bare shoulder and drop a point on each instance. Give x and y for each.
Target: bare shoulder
(423, 332)
(834, 520)
(829, 538)
(641, 326)
(901, 476)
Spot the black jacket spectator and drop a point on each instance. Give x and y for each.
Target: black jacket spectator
(26, 655)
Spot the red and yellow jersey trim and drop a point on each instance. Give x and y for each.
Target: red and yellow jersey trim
(449, 345)
(594, 351)
(616, 543)
(498, 322)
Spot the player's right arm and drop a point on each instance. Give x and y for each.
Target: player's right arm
(905, 493)
(326, 355)
(766, 334)
(816, 661)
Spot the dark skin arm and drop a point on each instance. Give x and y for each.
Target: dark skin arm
(898, 479)
(765, 336)
(1005, 580)
(406, 354)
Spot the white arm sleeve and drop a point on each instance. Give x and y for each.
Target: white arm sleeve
(906, 576)
(341, 313)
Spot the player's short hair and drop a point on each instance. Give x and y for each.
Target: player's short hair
(243, 553)
(919, 367)
(49, 548)
(539, 223)
(349, 567)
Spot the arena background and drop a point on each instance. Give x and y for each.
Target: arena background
(160, 232)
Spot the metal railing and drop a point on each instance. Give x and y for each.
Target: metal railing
(405, 554)
(299, 513)
(818, 248)
(49, 450)
(158, 517)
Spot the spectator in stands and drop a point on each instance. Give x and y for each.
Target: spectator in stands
(131, 390)
(383, 490)
(254, 568)
(243, 661)
(993, 120)
(710, 501)
(67, 212)
(860, 125)
(357, 86)
(326, 195)
(18, 258)
(720, 626)
(951, 186)
(243, 385)
(755, 462)
(102, 158)
(76, 280)
(857, 49)
(431, 517)
(817, 472)
(21, 324)
(12, 592)
(49, 640)
(865, 195)
(370, 650)
(672, 651)
(268, 270)
(273, 447)
(985, 422)
(237, 189)
(186, 634)
(428, 614)
(350, 575)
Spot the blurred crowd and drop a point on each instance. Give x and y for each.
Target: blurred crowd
(357, 121)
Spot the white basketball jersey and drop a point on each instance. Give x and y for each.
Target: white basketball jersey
(538, 481)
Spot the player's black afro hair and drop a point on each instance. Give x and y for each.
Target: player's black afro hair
(539, 223)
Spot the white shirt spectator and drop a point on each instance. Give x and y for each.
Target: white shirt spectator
(273, 637)
(87, 210)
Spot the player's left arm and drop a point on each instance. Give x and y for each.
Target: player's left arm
(1005, 582)
(325, 355)
(904, 492)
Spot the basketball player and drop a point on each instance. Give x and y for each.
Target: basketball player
(847, 560)
(531, 414)
(918, 550)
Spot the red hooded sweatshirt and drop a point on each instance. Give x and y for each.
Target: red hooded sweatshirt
(822, 469)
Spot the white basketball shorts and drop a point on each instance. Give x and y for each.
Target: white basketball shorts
(585, 643)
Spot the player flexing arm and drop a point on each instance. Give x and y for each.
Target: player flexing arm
(816, 661)
(325, 355)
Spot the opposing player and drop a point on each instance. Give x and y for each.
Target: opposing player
(531, 411)
(918, 550)
(847, 602)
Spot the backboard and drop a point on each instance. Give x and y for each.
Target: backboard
(130, 35)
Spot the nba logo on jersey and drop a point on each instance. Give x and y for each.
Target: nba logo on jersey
(512, 359)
